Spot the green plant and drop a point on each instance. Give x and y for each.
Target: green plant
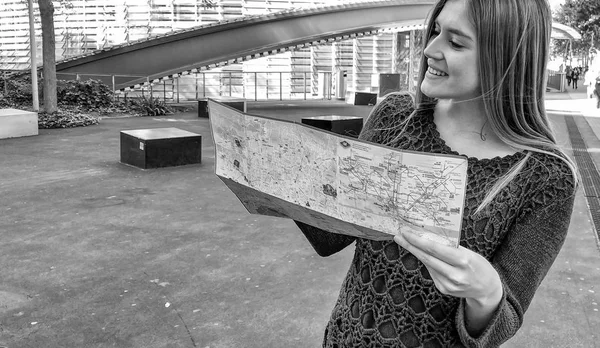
(65, 118)
(18, 89)
(151, 106)
(4, 102)
(90, 94)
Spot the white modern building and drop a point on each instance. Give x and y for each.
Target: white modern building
(91, 25)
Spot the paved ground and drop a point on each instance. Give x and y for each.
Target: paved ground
(95, 253)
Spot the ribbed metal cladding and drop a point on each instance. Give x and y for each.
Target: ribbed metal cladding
(590, 178)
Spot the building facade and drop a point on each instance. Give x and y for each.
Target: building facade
(318, 71)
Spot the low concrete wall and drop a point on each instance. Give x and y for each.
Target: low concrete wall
(17, 123)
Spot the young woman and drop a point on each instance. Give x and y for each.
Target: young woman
(481, 95)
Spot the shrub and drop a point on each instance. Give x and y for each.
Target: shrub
(4, 102)
(79, 102)
(89, 95)
(151, 106)
(65, 118)
(19, 90)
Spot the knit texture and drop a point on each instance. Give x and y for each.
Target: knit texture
(388, 298)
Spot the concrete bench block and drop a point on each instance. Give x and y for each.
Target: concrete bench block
(160, 147)
(344, 125)
(236, 103)
(361, 98)
(17, 123)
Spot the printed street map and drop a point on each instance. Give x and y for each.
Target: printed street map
(339, 184)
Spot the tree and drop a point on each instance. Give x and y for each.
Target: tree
(49, 56)
(583, 15)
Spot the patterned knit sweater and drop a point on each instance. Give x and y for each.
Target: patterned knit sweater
(388, 298)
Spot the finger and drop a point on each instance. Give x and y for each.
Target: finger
(419, 253)
(431, 261)
(440, 251)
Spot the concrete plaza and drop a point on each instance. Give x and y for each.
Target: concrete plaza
(95, 253)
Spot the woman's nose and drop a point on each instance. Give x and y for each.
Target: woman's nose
(432, 50)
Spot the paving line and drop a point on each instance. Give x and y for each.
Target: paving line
(590, 178)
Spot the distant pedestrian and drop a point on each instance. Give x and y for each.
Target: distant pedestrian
(590, 82)
(574, 77)
(597, 91)
(568, 75)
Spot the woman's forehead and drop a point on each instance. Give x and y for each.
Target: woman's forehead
(455, 15)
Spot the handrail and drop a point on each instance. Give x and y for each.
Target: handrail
(274, 86)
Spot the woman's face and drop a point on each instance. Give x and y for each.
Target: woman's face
(452, 56)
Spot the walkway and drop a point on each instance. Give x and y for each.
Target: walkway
(98, 254)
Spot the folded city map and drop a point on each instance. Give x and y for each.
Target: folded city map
(337, 183)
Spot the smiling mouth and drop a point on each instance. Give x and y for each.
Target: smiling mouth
(436, 72)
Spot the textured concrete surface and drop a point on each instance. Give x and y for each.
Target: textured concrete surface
(96, 253)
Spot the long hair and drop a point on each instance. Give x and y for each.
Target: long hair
(513, 37)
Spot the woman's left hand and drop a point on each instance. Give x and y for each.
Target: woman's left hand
(458, 272)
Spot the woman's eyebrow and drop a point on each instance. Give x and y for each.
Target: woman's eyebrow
(460, 33)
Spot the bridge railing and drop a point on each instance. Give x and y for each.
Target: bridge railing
(257, 85)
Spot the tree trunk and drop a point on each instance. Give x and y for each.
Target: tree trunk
(49, 55)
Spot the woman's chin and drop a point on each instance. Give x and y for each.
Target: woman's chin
(428, 91)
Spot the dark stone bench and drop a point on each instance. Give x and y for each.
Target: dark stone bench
(160, 147)
(344, 125)
(362, 98)
(236, 103)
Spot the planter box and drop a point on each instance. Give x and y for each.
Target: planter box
(344, 125)
(236, 103)
(17, 123)
(160, 147)
(361, 98)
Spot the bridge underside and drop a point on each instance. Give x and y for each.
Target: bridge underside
(247, 38)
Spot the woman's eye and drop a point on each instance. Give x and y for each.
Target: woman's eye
(455, 45)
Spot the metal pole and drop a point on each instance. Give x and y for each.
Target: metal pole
(304, 84)
(177, 89)
(32, 50)
(113, 83)
(280, 86)
(230, 83)
(164, 90)
(204, 84)
(196, 83)
(255, 88)
(411, 58)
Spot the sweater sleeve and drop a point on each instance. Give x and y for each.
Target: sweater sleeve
(522, 261)
(325, 243)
